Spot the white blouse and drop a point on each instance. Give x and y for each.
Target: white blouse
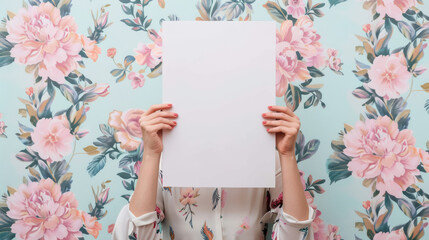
(215, 214)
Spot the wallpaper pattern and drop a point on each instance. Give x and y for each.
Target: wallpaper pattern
(74, 74)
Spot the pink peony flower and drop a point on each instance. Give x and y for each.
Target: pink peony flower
(333, 62)
(395, 235)
(45, 39)
(302, 36)
(91, 225)
(296, 8)
(188, 196)
(90, 47)
(127, 126)
(394, 8)
(40, 211)
(318, 60)
(288, 67)
(137, 79)
(148, 54)
(389, 75)
(379, 150)
(52, 139)
(111, 52)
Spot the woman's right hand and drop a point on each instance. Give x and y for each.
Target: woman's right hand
(152, 122)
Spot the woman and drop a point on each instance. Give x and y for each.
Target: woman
(155, 212)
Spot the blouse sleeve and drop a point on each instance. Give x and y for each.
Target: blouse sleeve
(144, 227)
(285, 225)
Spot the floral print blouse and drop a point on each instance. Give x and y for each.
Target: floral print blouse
(215, 213)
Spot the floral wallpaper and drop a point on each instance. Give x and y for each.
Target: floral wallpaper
(76, 75)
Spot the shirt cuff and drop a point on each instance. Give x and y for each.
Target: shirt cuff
(145, 219)
(292, 221)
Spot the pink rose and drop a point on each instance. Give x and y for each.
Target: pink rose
(92, 226)
(45, 39)
(52, 139)
(318, 60)
(150, 54)
(188, 196)
(333, 62)
(379, 150)
(296, 8)
(90, 47)
(288, 67)
(389, 75)
(302, 36)
(127, 126)
(394, 8)
(111, 52)
(395, 235)
(137, 79)
(41, 211)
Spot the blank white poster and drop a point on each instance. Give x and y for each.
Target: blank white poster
(220, 78)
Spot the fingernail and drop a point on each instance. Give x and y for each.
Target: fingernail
(176, 115)
(270, 107)
(263, 115)
(174, 122)
(268, 129)
(264, 122)
(170, 105)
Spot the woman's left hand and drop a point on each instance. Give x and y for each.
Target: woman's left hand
(285, 124)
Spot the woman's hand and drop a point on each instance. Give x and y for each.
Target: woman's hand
(151, 122)
(283, 122)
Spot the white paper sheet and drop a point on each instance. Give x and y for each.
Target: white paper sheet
(220, 78)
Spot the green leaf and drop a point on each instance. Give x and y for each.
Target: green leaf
(124, 175)
(96, 165)
(406, 29)
(337, 167)
(275, 11)
(314, 72)
(293, 97)
(335, 2)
